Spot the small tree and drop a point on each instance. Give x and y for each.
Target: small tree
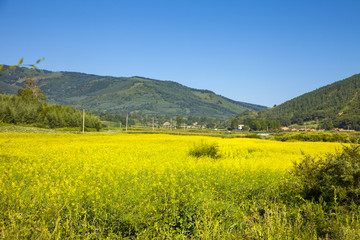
(179, 121)
(328, 125)
(32, 91)
(235, 123)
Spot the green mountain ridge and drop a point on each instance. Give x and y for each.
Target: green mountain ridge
(338, 102)
(120, 94)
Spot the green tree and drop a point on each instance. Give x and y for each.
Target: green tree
(179, 121)
(203, 120)
(32, 91)
(328, 125)
(210, 123)
(234, 123)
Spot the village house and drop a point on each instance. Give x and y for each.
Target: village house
(166, 124)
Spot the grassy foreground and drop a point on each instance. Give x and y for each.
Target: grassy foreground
(141, 186)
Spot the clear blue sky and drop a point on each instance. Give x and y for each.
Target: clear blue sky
(264, 52)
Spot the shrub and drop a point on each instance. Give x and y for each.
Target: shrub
(253, 135)
(334, 179)
(314, 137)
(204, 149)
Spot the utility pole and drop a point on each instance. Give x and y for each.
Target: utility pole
(153, 123)
(83, 126)
(127, 118)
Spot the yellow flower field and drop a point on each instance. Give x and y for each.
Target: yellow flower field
(133, 185)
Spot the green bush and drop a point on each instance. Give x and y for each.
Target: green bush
(204, 149)
(334, 179)
(314, 137)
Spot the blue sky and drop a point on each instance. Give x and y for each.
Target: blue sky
(262, 52)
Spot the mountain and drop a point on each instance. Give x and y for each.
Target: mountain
(119, 94)
(338, 102)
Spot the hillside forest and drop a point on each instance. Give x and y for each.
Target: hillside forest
(335, 105)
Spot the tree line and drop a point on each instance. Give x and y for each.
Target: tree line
(247, 119)
(19, 110)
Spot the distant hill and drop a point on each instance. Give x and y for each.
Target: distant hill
(338, 102)
(119, 94)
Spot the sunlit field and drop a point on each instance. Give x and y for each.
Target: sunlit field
(91, 186)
